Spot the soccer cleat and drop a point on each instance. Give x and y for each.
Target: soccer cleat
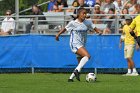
(77, 74)
(127, 74)
(70, 80)
(134, 74)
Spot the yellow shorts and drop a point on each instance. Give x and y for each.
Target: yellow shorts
(129, 51)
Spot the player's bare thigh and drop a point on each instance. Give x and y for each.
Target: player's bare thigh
(83, 52)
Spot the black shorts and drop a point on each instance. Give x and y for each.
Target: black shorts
(138, 40)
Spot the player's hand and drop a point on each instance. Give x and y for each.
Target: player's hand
(100, 33)
(57, 37)
(120, 45)
(137, 47)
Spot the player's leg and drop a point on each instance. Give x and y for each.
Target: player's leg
(129, 66)
(128, 62)
(73, 75)
(130, 56)
(79, 59)
(134, 71)
(85, 57)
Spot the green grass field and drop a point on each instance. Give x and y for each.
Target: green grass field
(57, 83)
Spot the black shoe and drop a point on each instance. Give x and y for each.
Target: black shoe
(70, 80)
(77, 74)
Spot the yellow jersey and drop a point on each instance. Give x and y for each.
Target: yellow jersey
(136, 25)
(128, 38)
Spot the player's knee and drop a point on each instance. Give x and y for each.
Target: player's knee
(88, 56)
(129, 59)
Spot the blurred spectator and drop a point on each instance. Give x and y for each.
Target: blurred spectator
(110, 24)
(108, 4)
(8, 24)
(130, 4)
(99, 1)
(81, 4)
(90, 3)
(136, 9)
(50, 5)
(124, 11)
(35, 11)
(97, 11)
(75, 3)
(122, 23)
(118, 6)
(59, 5)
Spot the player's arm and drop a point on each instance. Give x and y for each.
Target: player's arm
(98, 31)
(122, 38)
(133, 33)
(132, 27)
(59, 33)
(137, 46)
(92, 26)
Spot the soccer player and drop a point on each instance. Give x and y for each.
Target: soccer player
(136, 25)
(78, 29)
(129, 47)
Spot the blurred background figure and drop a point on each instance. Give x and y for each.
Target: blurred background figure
(130, 4)
(8, 24)
(50, 5)
(59, 5)
(75, 3)
(81, 4)
(99, 2)
(96, 10)
(110, 24)
(35, 11)
(129, 47)
(136, 9)
(124, 11)
(108, 4)
(118, 6)
(90, 3)
(72, 7)
(123, 22)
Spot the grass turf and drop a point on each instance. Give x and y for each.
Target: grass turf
(57, 83)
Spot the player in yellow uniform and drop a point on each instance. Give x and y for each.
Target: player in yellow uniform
(135, 25)
(129, 47)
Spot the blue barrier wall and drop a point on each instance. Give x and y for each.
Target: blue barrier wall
(43, 51)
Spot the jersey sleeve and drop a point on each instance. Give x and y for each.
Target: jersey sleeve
(123, 29)
(90, 24)
(70, 26)
(133, 24)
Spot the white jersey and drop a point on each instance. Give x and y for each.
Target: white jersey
(78, 33)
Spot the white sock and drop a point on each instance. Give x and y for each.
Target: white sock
(72, 76)
(134, 70)
(82, 63)
(129, 71)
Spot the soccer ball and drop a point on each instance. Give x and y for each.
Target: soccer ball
(91, 77)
